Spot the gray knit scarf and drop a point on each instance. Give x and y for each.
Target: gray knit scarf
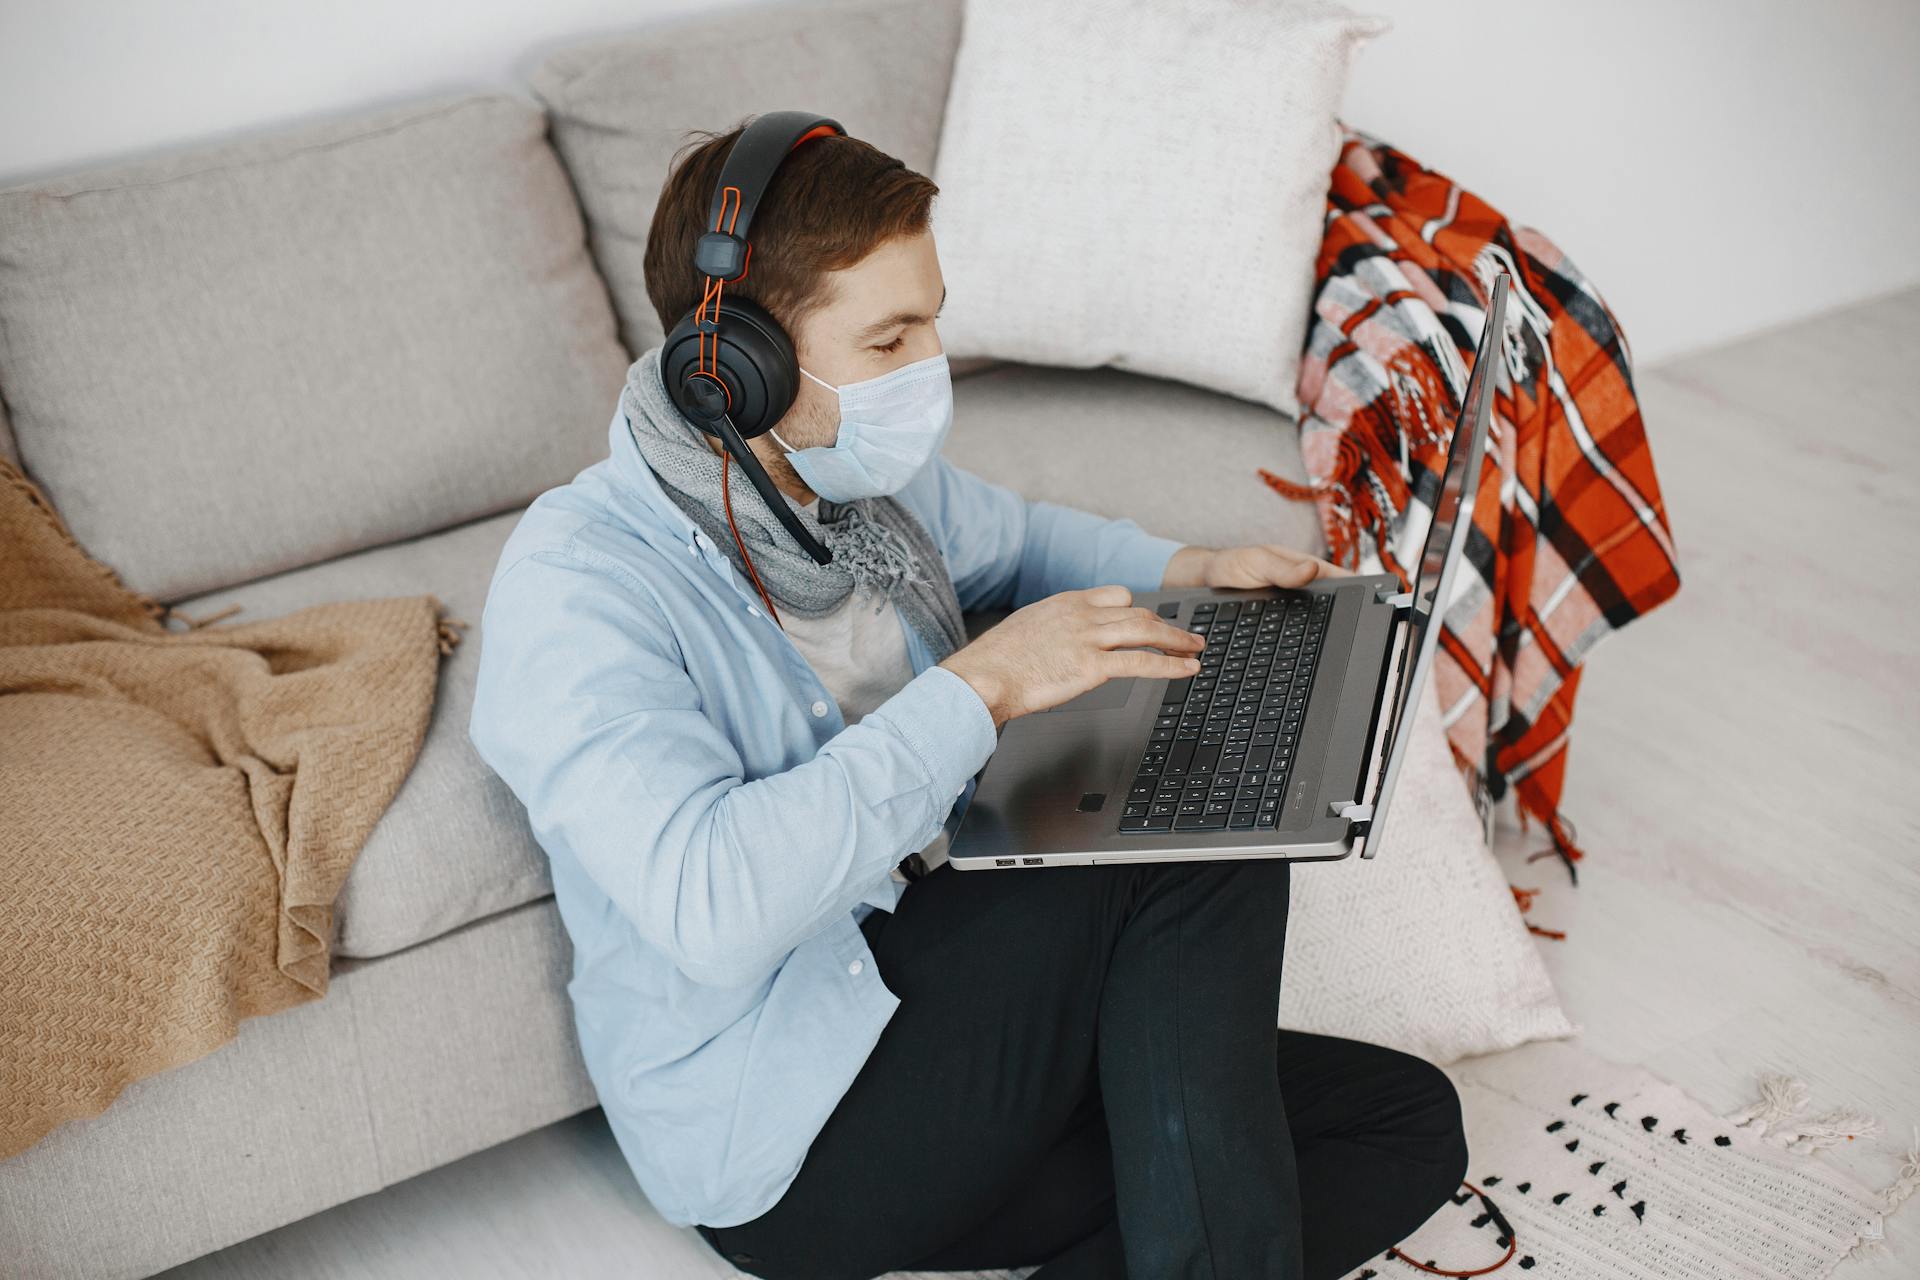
(877, 543)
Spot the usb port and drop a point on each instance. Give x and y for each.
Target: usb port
(1003, 862)
(1032, 862)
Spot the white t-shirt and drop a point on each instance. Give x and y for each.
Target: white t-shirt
(859, 651)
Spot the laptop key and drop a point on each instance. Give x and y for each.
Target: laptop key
(1201, 822)
(1146, 824)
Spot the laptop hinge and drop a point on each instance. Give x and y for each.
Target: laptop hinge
(1398, 601)
(1359, 816)
(1354, 811)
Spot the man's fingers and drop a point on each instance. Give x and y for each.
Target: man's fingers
(1328, 569)
(1141, 664)
(1138, 631)
(1108, 615)
(1313, 567)
(1144, 626)
(1287, 569)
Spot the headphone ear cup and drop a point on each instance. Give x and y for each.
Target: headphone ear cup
(754, 360)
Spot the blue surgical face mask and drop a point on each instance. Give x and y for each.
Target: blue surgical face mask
(890, 427)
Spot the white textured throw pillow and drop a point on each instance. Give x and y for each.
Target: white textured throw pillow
(1420, 948)
(1142, 184)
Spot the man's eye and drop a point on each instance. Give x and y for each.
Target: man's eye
(894, 345)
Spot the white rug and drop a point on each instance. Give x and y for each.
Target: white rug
(1604, 1172)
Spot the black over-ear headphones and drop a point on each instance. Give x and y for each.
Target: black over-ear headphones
(728, 364)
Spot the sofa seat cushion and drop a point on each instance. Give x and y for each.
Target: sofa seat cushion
(454, 846)
(231, 361)
(1179, 460)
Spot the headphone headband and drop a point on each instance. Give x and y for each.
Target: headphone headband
(728, 364)
(722, 252)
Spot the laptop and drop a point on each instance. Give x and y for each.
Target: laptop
(1287, 742)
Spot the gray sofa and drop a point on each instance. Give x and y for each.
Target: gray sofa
(337, 361)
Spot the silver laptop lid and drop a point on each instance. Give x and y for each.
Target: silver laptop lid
(1438, 569)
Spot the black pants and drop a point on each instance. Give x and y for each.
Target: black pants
(1084, 1072)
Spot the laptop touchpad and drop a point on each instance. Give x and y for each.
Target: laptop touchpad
(1114, 693)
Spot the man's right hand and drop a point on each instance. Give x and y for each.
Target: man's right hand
(1058, 648)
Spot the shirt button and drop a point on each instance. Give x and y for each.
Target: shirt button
(753, 611)
(820, 708)
(856, 966)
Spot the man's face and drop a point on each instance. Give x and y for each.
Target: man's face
(881, 317)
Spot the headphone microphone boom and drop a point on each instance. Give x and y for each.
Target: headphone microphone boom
(729, 366)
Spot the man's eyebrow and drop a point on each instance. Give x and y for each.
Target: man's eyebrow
(879, 327)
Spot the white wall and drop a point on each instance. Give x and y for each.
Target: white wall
(1718, 166)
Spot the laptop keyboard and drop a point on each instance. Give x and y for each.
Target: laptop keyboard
(1221, 749)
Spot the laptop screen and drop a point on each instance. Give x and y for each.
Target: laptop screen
(1436, 571)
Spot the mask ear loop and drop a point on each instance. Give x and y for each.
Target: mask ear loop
(726, 500)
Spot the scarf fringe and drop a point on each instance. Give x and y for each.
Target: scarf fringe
(896, 563)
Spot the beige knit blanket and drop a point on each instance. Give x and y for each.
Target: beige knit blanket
(178, 810)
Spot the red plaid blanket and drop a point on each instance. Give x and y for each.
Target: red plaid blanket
(1570, 538)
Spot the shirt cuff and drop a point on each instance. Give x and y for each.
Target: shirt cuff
(1141, 565)
(945, 723)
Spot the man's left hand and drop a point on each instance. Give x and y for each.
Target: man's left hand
(1261, 565)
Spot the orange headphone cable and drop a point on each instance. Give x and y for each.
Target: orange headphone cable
(726, 499)
(1513, 1245)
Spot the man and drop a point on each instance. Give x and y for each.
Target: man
(832, 1061)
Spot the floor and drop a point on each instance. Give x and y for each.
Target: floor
(1744, 773)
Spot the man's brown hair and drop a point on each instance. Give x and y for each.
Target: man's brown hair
(829, 205)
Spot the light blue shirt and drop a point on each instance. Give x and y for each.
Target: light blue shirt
(716, 830)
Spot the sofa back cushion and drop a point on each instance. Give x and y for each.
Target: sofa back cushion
(621, 108)
(229, 362)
